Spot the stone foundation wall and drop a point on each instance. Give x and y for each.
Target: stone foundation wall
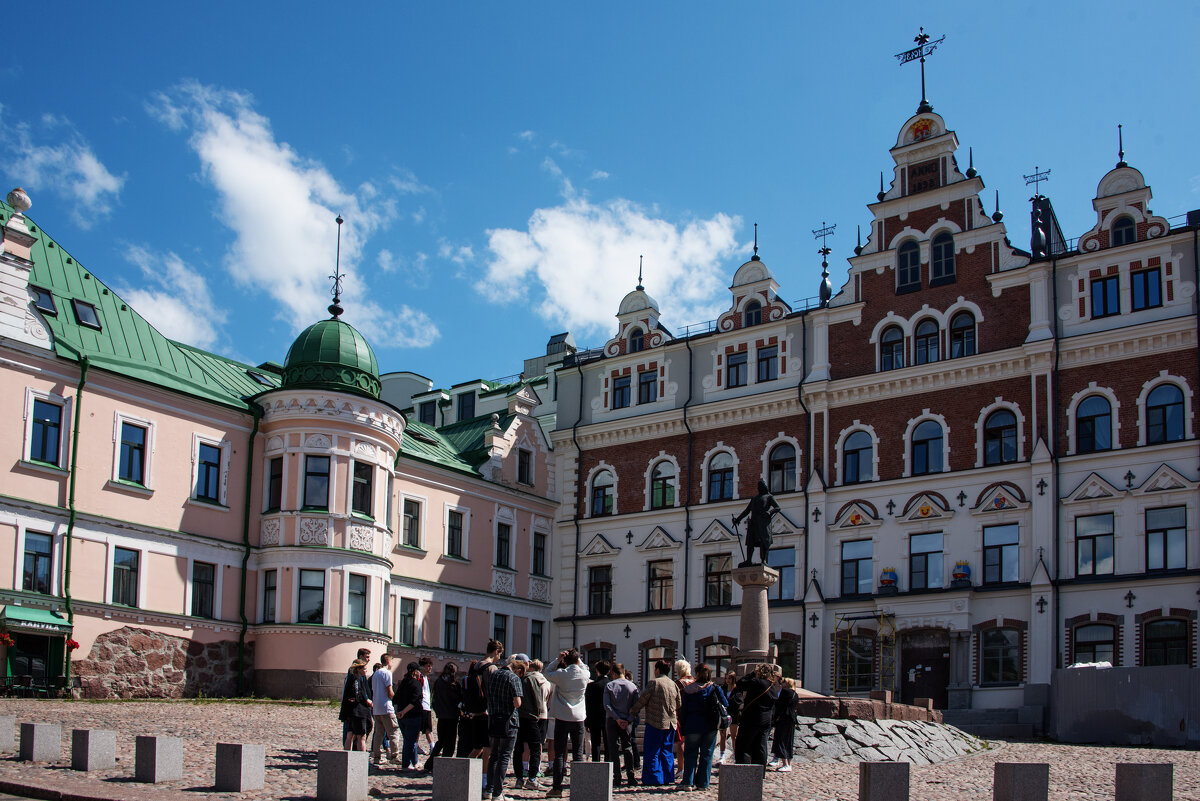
(865, 709)
(139, 663)
(915, 741)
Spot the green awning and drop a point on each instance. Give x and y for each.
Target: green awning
(21, 618)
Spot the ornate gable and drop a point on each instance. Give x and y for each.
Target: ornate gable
(638, 311)
(600, 546)
(1165, 479)
(523, 400)
(658, 540)
(781, 525)
(999, 497)
(856, 515)
(1094, 488)
(1122, 192)
(716, 532)
(926, 506)
(753, 283)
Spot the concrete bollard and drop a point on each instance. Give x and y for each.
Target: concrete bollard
(8, 738)
(740, 783)
(342, 776)
(41, 742)
(240, 767)
(882, 781)
(1145, 781)
(591, 781)
(93, 749)
(1021, 781)
(157, 759)
(457, 779)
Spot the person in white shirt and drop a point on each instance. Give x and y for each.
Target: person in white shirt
(384, 712)
(568, 711)
(426, 701)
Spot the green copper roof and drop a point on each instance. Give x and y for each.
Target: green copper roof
(460, 446)
(332, 355)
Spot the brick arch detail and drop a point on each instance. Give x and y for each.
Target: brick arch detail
(1116, 621)
(703, 641)
(977, 630)
(1174, 613)
(583, 649)
(672, 652)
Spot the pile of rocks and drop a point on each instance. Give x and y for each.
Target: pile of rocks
(847, 740)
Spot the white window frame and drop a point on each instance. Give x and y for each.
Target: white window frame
(1114, 408)
(19, 563)
(366, 600)
(447, 508)
(1181, 383)
(225, 447)
(706, 462)
(119, 420)
(591, 477)
(780, 439)
(110, 566)
(662, 456)
(839, 466)
(423, 507)
(442, 633)
(296, 596)
(266, 484)
(187, 591)
(539, 526)
(506, 515)
(908, 432)
(64, 425)
(997, 405)
(527, 447)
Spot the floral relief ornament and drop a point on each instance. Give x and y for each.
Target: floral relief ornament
(314, 532)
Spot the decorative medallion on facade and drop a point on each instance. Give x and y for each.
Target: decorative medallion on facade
(503, 583)
(269, 534)
(539, 590)
(926, 506)
(362, 538)
(1000, 497)
(314, 531)
(856, 514)
(317, 441)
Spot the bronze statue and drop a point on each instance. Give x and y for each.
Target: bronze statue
(761, 509)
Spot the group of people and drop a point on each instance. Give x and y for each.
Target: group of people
(508, 711)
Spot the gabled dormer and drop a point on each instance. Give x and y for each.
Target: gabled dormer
(755, 298)
(1123, 215)
(637, 325)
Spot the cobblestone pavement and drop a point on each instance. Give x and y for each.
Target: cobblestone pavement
(293, 734)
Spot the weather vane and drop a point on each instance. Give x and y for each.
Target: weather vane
(1036, 179)
(335, 308)
(823, 233)
(639, 284)
(925, 47)
(1120, 148)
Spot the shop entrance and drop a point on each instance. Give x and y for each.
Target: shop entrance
(30, 656)
(925, 666)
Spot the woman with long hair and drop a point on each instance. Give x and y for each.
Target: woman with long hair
(356, 708)
(700, 718)
(733, 705)
(447, 695)
(785, 723)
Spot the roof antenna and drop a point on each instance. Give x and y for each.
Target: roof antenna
(1120, 148)
(335, 308)
(755, 256)
(639, 284)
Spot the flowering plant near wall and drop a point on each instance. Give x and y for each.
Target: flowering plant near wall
(72, 645)
(6, 640)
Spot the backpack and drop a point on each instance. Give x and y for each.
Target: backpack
(717, 710)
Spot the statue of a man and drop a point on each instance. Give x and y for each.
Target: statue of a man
(761, 509)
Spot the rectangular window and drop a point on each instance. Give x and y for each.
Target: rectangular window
(539, 554)
(600, 590)
(45, 433)
(1000, 553)
(86, 314)
(38, 560)
(208, 473)
(316, 482)
(364, 478)
(524, 466)
(735, 369)
(132, 466)
(1146, 286)
(648, 386)
(43, 300)
(662, 585)
(408, 621)
(1000, 652)
(1094, 545)
(1106, 297)
(855, 657)
(718, 580)
(450, 629)
(925, 561)
(783, 560)
(856, 567)
(357, 600)
(204, 585)
(427, 413)
(270, 579)
(275, 484)
(620, 392)
(412, 523)
(466, 406)
(537, 637)
(768, 364)
(500, 628)
(312, 597)
(125, 577)
(1166, 538)
(454, 534)
(503, 545)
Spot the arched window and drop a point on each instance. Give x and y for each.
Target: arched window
(753, 314)
(1166, 643)
(1093, 425)
(962, 335)
(602, 494)
(637, 340)
(857, 458)
(781, 468)
(891, 349)
(1000, 437)
(927, 448)
(926, 342)
(1164, 414)
(908, 267)
(1095, 642)
(1123, 230)
(941, 271)
(720, 477)
(662, 485)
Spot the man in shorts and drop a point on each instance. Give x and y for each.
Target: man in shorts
(426, 665)
(386, 726)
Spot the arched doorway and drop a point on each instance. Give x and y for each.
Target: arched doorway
(925, 665)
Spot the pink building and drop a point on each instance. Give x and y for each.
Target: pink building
(175, 522)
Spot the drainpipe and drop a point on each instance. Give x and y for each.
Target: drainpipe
(1058, 634)
(804, 486)
(71, 514)
(687, 507)
(579, 495)
(257, 411)
(1196, 264)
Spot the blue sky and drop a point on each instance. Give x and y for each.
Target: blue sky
(502, 166)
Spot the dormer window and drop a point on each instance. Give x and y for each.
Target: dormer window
(466, 406)
(1123, 231)
(43, 301)
(753, 314)
(637, 340)
(908, 267)
(942, 267)
(85, 313)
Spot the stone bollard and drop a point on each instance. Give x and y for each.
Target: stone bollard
(8, 739)
(41, 742)
(93, 749)
(881, 695)
(882, 781)
(458, 779)
(157, 759)
(739, 783)
(1021, 781)
(240, 767)
(342, 776)
(1145, 781)
(591, 781)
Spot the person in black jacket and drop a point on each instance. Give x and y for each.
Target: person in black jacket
(785, 723)
(593, 706)
(758, 710)
(408, 710)
(447, 695)
(355, 713)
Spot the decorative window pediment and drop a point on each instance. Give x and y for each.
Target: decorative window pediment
(999, 497)
(857, 516)
(1165, 479)
(781, 525)
(716, 532)
(658, 540)
(599, 546)
(926, 506)
(1094, 488)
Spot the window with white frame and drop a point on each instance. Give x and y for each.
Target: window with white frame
(720, 477)
(450, 621)
(133, 454)
(540, 546)
(204, 589)
(1093, 425)
(1094, 545)
(211, 464)
(1164, 414)
(603, 493)
(408, 622)
(926, 448)
(858, 458)
(270, 587)
(356, 601)
(45, 428)
(361, 501)
(412, 523)
(38, 567)
(310, 600)
(1166, 538)
(316, 482)
(274, 493)
(457, 526)
(504, 545)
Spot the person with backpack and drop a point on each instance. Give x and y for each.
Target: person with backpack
(785, 723)
(533, 715)
(758, 710)
(700, 717)
(446, 697)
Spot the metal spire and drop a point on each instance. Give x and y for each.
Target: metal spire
(997, 215)
(755, 256)
(858, 244)
(335, 308)
(639, 283)
(971, 171)
(882, 193)
(925, 47)
(1120, 148)
(823, 233)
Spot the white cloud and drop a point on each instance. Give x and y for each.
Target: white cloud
(175, 298)
(459, 254)
(526, 136)
(281, 206)
(57, 158)
(405, 182)
(575, 261)
(599, 175)
(386, 260)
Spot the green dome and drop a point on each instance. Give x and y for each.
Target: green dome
(332, 355)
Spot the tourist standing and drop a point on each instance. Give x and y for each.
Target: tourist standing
(531, 729)
(620, 695)
(503, 702)
(475, 702)
(408, 706)
(593, 702)
(633, 725)
(683, 677)
(356, 708)
(785, 723)
(661, 702)
(700, 717)
(446, 697)
(758, 710)
(364, 656)
(383, 712)
(734, 706)
(570, 680)
(426, 701)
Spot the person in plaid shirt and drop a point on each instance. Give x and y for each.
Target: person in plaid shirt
(503, 700)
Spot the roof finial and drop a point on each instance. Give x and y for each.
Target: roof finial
(823, 233)
(755, 256)
(971, 171)
(925, 47)
(639, 283)
(881, 194)
(335, 308)
(1036, 179)
(1120, 148)
(858, 244)
(997, 215)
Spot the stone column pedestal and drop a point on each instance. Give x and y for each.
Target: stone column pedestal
(754, 641)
